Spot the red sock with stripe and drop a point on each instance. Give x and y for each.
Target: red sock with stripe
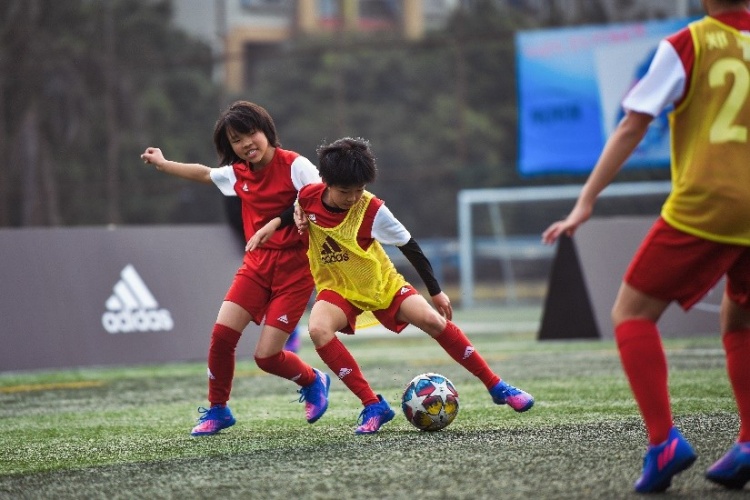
(341, 362)
(645, 365)
(457, 345)
(737, 348)
(287, 365)
(221, 363)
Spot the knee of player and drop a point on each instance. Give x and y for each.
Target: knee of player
(431, 322)
(618, 314)
(614, 316)
(319, 334)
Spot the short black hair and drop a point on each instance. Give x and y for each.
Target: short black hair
(347, 162)
(243, 117)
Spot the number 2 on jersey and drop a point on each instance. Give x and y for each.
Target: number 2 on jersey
(723, 129)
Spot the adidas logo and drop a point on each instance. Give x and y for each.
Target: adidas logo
(404, 289)
(245, 188)
(283, 319)
(311, 217)
(344, 372)
(210, 375)
(468, 352)
(331, 252)
(132, 307)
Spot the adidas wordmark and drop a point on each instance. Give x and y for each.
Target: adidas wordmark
(132, 307)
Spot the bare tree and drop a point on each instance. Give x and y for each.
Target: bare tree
(109, 68)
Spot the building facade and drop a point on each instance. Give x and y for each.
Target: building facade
(239, 30)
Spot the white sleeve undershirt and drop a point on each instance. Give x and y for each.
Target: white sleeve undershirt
(224, 179)
(304, 173)
(388, 230)
(662, 85)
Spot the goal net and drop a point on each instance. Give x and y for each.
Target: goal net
(499, 240)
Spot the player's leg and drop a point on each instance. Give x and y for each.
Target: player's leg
(644, 362)
(733, 469)
(649, 285)
(416, 310)
(735, 328)
(271, 357)
(669, 266)
(230, 322)
(327, 318)
(645, 365)
(292, 288)
(331, 314)
(245, 301)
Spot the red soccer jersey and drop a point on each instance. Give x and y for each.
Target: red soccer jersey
(265, 194)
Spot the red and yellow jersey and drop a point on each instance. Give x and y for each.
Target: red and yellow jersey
(268, 192)
(710, 129)
(342, 258)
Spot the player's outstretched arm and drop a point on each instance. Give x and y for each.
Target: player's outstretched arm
(190, 171)
(617, 150)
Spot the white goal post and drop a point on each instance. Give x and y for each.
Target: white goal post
(504, 247)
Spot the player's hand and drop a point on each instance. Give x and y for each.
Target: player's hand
(300, 219)
(567, 226)
(153, 156)
(443, 305)
(262, 235)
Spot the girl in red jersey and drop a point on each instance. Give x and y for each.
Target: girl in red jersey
(353, 274)
(702, 235)
(272, 285)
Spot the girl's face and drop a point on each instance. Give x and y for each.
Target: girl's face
(252, 147)
(343, 197)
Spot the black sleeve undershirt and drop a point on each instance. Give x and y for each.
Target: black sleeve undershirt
(418, 259)
(287, 217)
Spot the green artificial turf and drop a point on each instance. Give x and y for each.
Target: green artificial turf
(124, 432)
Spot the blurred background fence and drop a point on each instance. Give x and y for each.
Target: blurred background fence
(86, 85)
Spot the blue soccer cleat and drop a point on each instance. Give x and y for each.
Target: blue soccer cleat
(212, 420)
(315, 396)
(374, 416)
(733, 469)
(517, 399)
(664, 461)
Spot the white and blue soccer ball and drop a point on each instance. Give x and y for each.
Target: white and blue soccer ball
(430, 402)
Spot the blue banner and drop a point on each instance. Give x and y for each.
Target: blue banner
(571, 82)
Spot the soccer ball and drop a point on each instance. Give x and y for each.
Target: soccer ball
(430, 402)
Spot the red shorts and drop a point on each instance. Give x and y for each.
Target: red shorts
(671, 265)
(273, 284)
(387, 317)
